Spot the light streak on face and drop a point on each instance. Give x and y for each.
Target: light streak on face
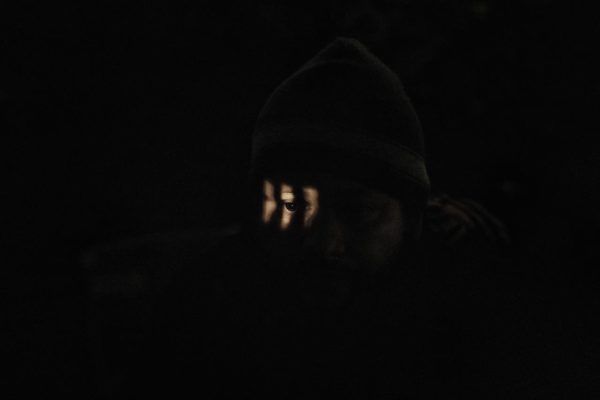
(287, 200)
(289, 204)
(269, 203)
(311, 197)
(340, 221)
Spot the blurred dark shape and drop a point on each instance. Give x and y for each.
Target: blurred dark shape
(127, 283)
(208, 321)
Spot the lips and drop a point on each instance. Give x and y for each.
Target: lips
(327, 283)
(334, 267)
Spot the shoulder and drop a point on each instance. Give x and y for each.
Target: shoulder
(147, 265)
(473, 293)
(150, 297)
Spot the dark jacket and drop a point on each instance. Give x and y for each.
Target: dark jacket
(451, 325)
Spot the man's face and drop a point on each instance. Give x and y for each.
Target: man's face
(325, 227)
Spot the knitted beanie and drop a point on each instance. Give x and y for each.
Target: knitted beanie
(344, 113)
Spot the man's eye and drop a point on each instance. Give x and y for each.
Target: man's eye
(290, 206)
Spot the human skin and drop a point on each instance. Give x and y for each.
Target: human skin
(331, 219)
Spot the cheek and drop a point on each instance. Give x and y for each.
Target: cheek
(279, 249)
(378, 246)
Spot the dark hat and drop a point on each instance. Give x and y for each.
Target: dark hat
(345, 113)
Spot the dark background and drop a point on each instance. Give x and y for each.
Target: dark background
(120, 121)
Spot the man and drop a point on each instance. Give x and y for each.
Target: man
(338, 157)
(348, 279)
(338, 162)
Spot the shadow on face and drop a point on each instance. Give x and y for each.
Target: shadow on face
(331, 222)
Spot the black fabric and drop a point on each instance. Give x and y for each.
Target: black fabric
(298, 159)
(344, 98)
(451, 326)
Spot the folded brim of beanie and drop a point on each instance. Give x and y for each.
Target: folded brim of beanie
(303, 150)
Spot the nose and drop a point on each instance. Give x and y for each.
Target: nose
(328, 237)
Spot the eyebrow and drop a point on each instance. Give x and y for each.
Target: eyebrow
(289, 189)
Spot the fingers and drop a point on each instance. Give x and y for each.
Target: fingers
(463, 219)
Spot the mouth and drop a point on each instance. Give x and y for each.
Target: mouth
(335, 267)
(328, 284)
